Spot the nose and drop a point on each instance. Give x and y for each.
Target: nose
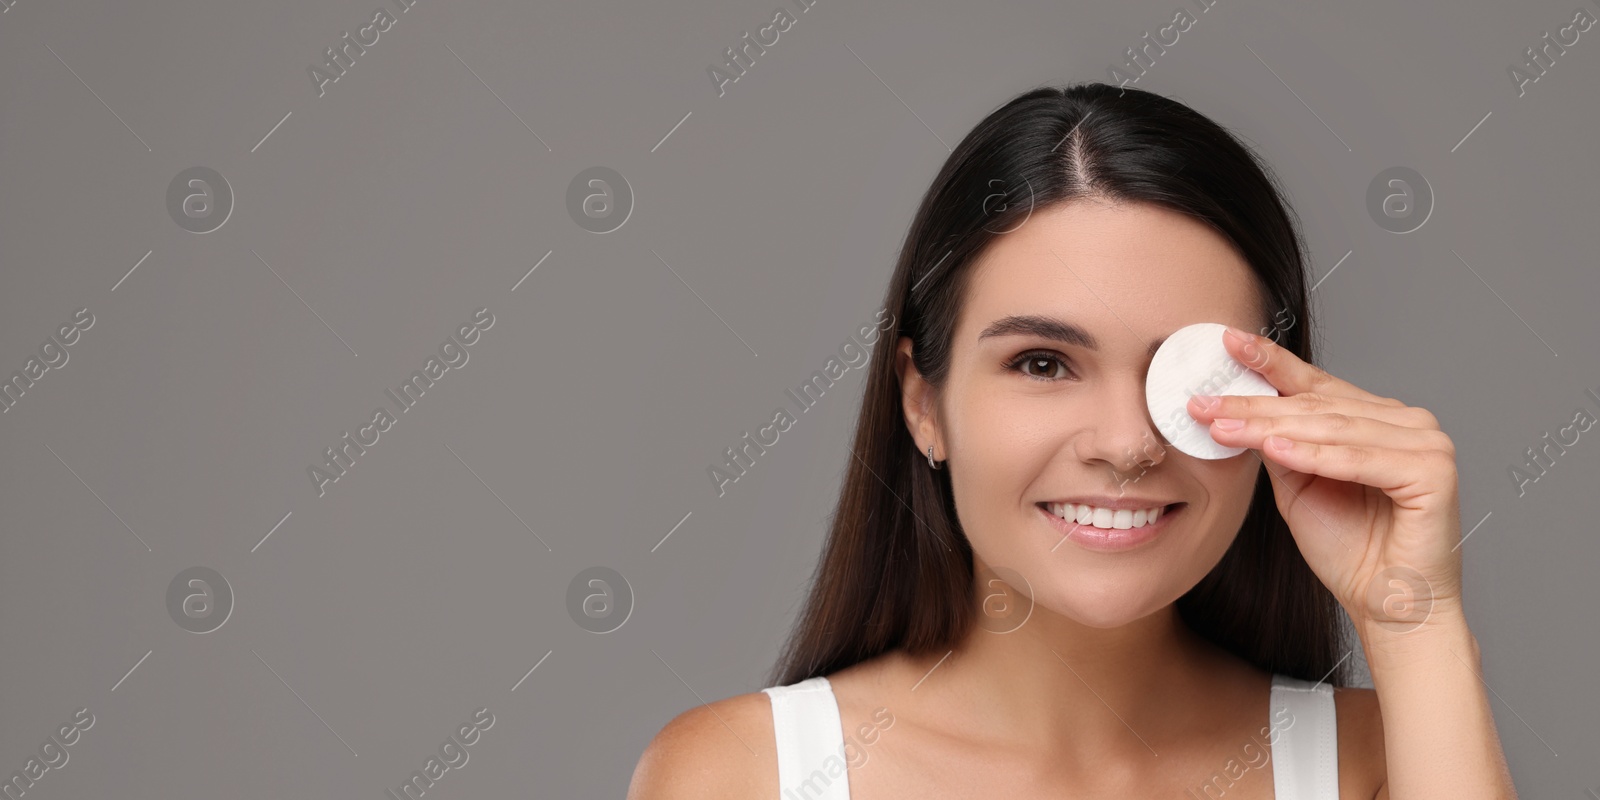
(1121, 433)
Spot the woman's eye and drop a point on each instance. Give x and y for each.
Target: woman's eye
(1041, 366)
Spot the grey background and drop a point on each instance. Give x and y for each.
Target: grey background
(375, 619)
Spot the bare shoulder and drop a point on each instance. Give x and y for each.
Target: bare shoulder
(1362, 767)
(723, 749)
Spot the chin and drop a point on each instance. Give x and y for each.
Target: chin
(1113, 605)
(1104, 617)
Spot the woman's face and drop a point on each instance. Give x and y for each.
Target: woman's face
(1027, 419)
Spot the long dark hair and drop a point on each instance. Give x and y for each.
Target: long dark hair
(896, 571)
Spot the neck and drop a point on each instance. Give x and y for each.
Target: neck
(1077, 693)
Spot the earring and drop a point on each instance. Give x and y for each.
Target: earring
(931, 463)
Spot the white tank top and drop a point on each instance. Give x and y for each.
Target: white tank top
(1304, 753)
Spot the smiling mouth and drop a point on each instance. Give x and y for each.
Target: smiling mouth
(1108, 519)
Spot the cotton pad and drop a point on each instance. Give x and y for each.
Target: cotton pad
(1193, 360)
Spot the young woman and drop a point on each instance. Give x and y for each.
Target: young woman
(1026, 593)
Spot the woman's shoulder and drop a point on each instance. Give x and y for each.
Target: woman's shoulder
(722, 749)
(727, 748)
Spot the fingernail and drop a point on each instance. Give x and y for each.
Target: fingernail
(1280, 444)
(1227, 424)
(1206, 401)
(1250, 349)
(1238, 336)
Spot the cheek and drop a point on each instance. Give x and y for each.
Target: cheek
(1000, 446)
(1005, 434)
(1229, 482)
(1228, 486)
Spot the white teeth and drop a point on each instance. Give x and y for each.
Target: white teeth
(1109, 519)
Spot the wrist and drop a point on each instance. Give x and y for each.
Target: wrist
(1445, 627)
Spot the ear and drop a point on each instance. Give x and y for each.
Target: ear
(917, 401)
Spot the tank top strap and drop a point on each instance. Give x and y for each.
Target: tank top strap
(810, 739)
(1305, 740)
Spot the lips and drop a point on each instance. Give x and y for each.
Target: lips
(1113, 539)
(1117, 516)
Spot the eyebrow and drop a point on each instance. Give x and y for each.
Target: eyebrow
(1049, 328)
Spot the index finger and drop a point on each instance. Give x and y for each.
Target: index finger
(1289, 373)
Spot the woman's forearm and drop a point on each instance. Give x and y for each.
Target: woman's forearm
(1439, 735)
